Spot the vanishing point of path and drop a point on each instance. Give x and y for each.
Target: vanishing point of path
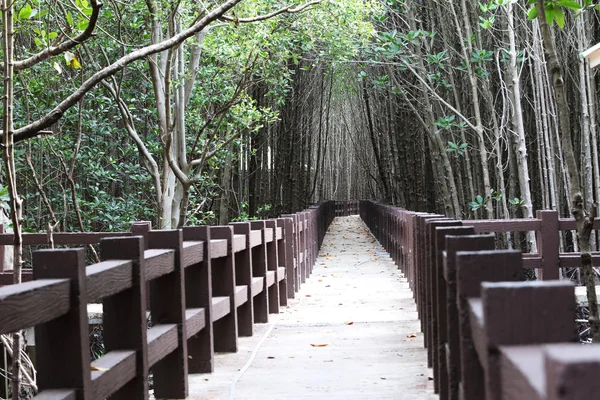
(351, 333)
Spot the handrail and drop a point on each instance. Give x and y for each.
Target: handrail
(488, 333)
(204, 287)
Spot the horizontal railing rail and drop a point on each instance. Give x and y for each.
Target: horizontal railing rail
(203, 286)
(488, 333)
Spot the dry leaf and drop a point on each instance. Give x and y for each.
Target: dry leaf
(348, 323)
(412, 335)
(329, 258)
(320, 280)
(270, 357)
(318, 345)
(94, 368)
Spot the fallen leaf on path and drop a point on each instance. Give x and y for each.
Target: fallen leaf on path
(320, 280)
(308, 295)
(94, 368)
(318, 345)
(412, 335)
(348, 323)
(270, 357)
(329, 258)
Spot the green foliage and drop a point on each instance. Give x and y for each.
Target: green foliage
(458, 149)
(478, 203)
(555, 10)
(516, 202)
(447, 123)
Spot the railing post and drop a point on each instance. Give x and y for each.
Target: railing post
(548, 241)
(198, 294)
(223, 285)
(167, 306)
(243, 276)
(473, 268)
(285, 289)
(440, 301)
(455, 244)
(272, 264)
(64, 340)
(431, 278)
(124, 318)
(259, 270)
(546, 311)
(287, 228)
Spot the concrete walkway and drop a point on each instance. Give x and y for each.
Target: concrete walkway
(351, 333)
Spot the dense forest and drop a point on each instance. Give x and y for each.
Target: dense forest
(181, 112)
(182, 115)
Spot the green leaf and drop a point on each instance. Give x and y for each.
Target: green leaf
(550, 14)
(25, 12)
(70, 19)
(479, 199)
(533, 13)
(559, 16)
(573, 5)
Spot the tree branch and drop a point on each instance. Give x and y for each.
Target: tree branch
(66, 45)
(56, 114)
(284, 10)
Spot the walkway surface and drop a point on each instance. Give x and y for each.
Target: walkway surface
(351, 333)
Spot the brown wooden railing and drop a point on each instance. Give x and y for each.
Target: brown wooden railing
(489, 334)
(204, 287)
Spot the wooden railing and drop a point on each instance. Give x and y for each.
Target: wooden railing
(489, 334)
(203, 286)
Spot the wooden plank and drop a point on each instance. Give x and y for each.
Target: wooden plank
(6, 277)
(572, 371)
(573, 260)
(569, 224)
(195, 319)
(111, 372)
(522, 370)
(28, 304)
(107, 278)
(221, 307)
(158, 262)
(241, 295)
(239, 243)
(56, 394)
(505, 225)
(280, 273)
(270, 278)
(279, 234)
(255, 238)
(62, 238)
(268, 235)
(193, 253)
(162, 340)
(546, 311)
(218, 248)
(258, 284)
